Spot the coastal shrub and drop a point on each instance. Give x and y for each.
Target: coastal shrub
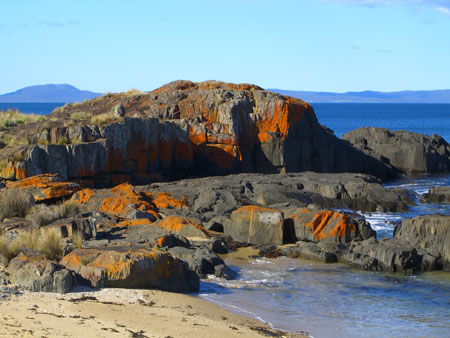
(50, 244)
(8, 249)
(81, 115)
(105, 117)
(15, 203)
(12, 117)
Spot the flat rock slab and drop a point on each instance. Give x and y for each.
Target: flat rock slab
(45, 187)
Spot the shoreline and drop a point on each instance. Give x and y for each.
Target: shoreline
(124, 313)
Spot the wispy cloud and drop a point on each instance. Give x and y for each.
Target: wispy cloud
(54, 24)
(59, 24)
(355, 47)
(443, 10)
(441, 6)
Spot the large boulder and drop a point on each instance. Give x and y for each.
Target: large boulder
(256, 225)
(430, 233)
(437, 195)
(411, 153)
(131, 267)
(40, 274)
(330, 226)
(184, 129)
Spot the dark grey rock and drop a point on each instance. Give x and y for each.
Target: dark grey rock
(430, 233)
(437, 195)
(408, 152)
(40, 274)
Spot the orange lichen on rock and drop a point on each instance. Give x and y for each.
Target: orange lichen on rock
(45, 186)
(182, 225)
(126, 199)
(343, 226)
(165, 200)
(323, 225)
(83, 196)
(131, 223)
(278, 119)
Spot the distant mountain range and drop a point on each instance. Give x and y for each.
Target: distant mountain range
(407, 96)
(63, 93)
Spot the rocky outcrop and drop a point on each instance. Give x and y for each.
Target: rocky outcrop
(411, 153)
(131, 267)
(45, 187)
(256, 225)
(184, 129)
(39, 274)
(437, 195)
(430, 233)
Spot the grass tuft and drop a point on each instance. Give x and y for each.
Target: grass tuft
(105, 117)
(15, 203)
(81, 115)
(12, 118)
(9, 249)
(50, 244)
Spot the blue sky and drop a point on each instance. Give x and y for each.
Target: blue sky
(319, 45)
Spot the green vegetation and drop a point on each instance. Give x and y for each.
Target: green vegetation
(12, 117)
(105, 117)
(14, 202)
(81, 115)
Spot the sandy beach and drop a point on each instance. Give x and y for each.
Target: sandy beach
(123, 313)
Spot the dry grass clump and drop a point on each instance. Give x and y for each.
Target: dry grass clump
(81, 115)
(50, 244)
(133, 91)
(9, 249)
(105, 117)
(42, 215)
(47, 243)
(29, 239)
(77, 239)
(15, 203)
(12, 117)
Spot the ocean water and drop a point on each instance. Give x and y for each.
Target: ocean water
(419, 118)
(31, 108)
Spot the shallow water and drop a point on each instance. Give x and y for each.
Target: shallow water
(333, 300)
(384, 223)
